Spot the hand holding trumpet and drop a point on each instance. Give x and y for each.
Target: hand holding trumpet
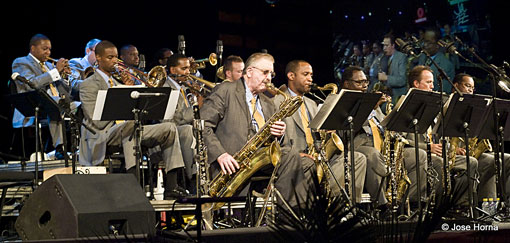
(62, 66)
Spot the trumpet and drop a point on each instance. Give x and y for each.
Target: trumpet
(155, 78)
(64, 74)
(200, 63)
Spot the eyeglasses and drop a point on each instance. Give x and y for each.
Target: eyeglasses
(468, 86)
(361, 82)
(266, 72)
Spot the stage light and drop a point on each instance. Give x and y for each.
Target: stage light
(362, 17)
(369, 13)
(346, 16)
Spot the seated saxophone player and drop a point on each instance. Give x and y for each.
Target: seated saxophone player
(353, 78)
(233, 68)
(299, 80)
(486, 167)
(82, 67)
(421, 77)
(93, 147)
(36, 68)
(234, 112)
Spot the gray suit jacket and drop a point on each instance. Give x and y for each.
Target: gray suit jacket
(397, 79)
(30, 69)
(362, 138)
(295, 132)
(227, 118)
(183, 114)
(445, 64)
(93, 146)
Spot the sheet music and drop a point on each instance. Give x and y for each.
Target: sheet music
(327, 107)
(98, 110)
(172, 104)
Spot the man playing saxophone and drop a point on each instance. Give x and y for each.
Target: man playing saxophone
(421, 77)
(486, 168)
(299, 75)
(234, 112)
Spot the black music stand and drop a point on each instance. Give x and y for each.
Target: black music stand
(489, 131)
(347, 110)
(118, 103)
(463, 118)
(414, 114)
(32, 103)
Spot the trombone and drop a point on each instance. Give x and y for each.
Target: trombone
(155, 78)
(196, 84)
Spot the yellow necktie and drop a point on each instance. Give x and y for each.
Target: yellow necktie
(110, 81)
(256, 115)
(305, 122)
(184, 97)
(376, 134)
(53, 90)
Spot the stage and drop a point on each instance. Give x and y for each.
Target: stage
(17, 192)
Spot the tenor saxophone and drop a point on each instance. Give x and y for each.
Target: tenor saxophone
(252, 157)
(393, 150)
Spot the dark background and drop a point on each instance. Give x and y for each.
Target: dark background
(288, 29)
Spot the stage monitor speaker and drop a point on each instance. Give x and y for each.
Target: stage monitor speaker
(75, 206)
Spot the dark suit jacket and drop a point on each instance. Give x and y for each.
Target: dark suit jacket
(227, 118)
(443, 62)
(397, 79)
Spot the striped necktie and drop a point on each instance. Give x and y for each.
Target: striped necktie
(256, 115)
(305, 122)
(376, 134)
(53, 90)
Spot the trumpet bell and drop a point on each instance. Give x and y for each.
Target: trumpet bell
(213, 59)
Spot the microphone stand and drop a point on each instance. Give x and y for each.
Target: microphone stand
(446, 172)
(500, 169)
(61, 109)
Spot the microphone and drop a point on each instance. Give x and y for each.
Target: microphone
(450, 47)
(141, 66)
(18, 77)
(135, 94)
(406, 47)
(182, 44)
(219, 48)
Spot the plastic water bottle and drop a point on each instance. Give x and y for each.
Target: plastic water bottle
(491, 206)
(496, 205)
(485, 205)
(159, 190)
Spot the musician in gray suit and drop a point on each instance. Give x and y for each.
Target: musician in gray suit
(432, 35)
(395, 78)
(36, 68)
(234, 112)
(81, 67)
(421, 77)
(299, 80)
(353, 78)
(109, 133)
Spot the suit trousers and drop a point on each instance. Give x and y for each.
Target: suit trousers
(164, 134)
(376, 170)
(338, 168)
